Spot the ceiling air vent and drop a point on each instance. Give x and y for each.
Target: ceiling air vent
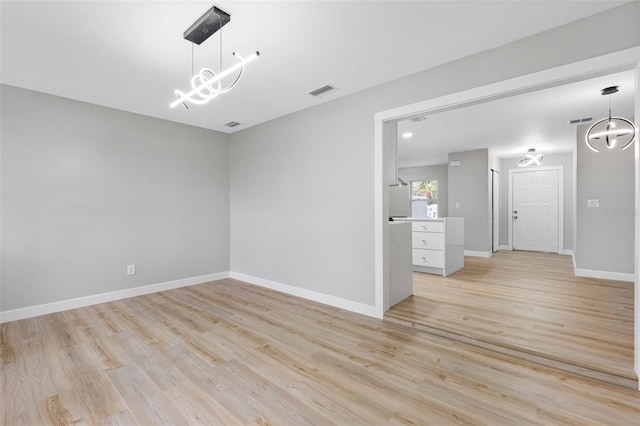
(232, 124)
(321, 91)
(580, 120)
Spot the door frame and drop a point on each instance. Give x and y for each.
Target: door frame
(495, 174)
(623, 60)
(560, 170)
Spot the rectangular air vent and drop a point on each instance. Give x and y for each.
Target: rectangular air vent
(321, 91)
(232, 124)
(580, 120)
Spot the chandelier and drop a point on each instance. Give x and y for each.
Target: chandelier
(531, 159)
(207, 84)
(611, 131)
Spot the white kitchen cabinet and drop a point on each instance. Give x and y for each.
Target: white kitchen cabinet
(437, 245)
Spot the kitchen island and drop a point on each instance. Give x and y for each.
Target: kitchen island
(437, 245)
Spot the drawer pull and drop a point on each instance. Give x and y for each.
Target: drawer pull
(424, 242)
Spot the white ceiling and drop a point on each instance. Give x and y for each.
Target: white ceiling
(512, 125)
(131, 55)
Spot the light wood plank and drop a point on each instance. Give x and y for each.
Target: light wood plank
(530, 303)
(231, 353)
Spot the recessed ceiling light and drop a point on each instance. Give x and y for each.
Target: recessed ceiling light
(407, 135)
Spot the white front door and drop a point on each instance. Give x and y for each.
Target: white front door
(535, 210)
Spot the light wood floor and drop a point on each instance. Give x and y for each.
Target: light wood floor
(531, 304)
(230, 353)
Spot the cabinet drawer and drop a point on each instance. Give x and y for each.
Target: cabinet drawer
(432, 258)
(427, 240)
(427, 226)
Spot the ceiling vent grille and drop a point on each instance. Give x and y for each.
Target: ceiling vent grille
(321, 91)
(232, 124)
(580, 120)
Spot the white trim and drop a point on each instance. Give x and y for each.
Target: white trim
(623, 60)
(636, 305)
(560, 170)
(379, 225)
(80, 302)
(478, 253)
(605, 275)
(567, 253)
(325, 299)
(507, 247)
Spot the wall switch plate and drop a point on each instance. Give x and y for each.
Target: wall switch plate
(593, 203)
(131, 269)
(457, 204)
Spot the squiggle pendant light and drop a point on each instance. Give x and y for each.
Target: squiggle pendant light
(531, 159)
(611, 130)
(207, 84)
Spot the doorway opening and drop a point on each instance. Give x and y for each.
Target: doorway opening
(386, 121)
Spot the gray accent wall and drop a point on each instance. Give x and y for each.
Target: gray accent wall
(565, 160)
(302, 185)
(439, 173)
(87, 190)
(469, 197)
(605, 234)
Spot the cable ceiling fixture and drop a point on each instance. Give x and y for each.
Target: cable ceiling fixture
(611, 130)
(207, 84)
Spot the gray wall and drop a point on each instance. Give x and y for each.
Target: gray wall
(604, 235)
(439, 173)
(565, 160)
(302, 185)
(469, 186)
(87, 190)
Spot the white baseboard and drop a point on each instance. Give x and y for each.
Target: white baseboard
(563, 251)
(80, 302)
(478, 253)
(606, 275)
(337, 302)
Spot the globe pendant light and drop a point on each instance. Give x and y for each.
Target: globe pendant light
(610, 132)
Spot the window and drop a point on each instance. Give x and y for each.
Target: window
(424, 199)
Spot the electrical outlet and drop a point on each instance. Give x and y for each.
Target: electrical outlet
(131, 269)
(593, 203)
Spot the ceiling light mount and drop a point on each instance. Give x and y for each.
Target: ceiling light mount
(207, 84)
(207, 25)
(613, 131)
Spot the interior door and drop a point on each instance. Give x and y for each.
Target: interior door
(535, 210)
(495, 210)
